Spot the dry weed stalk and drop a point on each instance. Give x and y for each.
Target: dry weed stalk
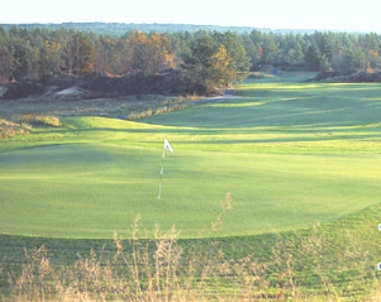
(225, 206)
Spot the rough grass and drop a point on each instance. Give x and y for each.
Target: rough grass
(121, 107)
(334, 262)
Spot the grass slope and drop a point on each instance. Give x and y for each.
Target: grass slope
(92, 190)
(335, 260)
(291, 154)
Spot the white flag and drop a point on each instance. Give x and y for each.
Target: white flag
(167, 145)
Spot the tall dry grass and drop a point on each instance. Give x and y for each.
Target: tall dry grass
(9, 129)
(41, 120)
(164, 270)
(24, 123)
(163, 106)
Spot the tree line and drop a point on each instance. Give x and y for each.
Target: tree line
(207, 58)
(119, 29)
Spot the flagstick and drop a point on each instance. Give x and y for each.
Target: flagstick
(161, 173)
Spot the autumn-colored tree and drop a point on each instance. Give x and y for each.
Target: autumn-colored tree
(35, 53)
(158, 54)
(222, 71)
(150, 54)
(369, 68)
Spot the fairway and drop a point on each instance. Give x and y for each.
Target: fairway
(291, 154)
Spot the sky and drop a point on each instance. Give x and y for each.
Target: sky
(273, 14)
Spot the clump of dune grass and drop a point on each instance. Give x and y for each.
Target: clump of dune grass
(40, 120)
(155, 111)
(9, 129)
(161, 106)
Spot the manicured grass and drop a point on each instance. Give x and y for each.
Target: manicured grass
(92, 190)
(290, 153)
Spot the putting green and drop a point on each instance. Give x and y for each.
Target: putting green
(83, 190)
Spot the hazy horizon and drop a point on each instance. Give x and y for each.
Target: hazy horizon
(290, 15)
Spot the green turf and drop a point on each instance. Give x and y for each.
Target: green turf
(290, 153)
(92, 190)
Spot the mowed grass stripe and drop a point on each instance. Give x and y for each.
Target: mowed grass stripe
(277, 105)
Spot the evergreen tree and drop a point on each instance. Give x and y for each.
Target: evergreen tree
(252, 51)
(20, 58)
(50, 61)
(209, 65)
(349, 63)
(78, 54)
(236, 50)
(313, 57)
(294, 54)
(6, 57)
(270, 50)
(323, 63)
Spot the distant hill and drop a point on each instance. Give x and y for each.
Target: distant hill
(119, 29)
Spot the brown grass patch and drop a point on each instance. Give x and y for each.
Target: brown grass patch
(9, 129)
(39, 120)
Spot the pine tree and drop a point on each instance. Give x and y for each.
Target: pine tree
(50, 61)
(313, 57)
(236, 50)
(78, 54)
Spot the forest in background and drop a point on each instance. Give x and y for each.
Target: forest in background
(119, 29)
(206, 58)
